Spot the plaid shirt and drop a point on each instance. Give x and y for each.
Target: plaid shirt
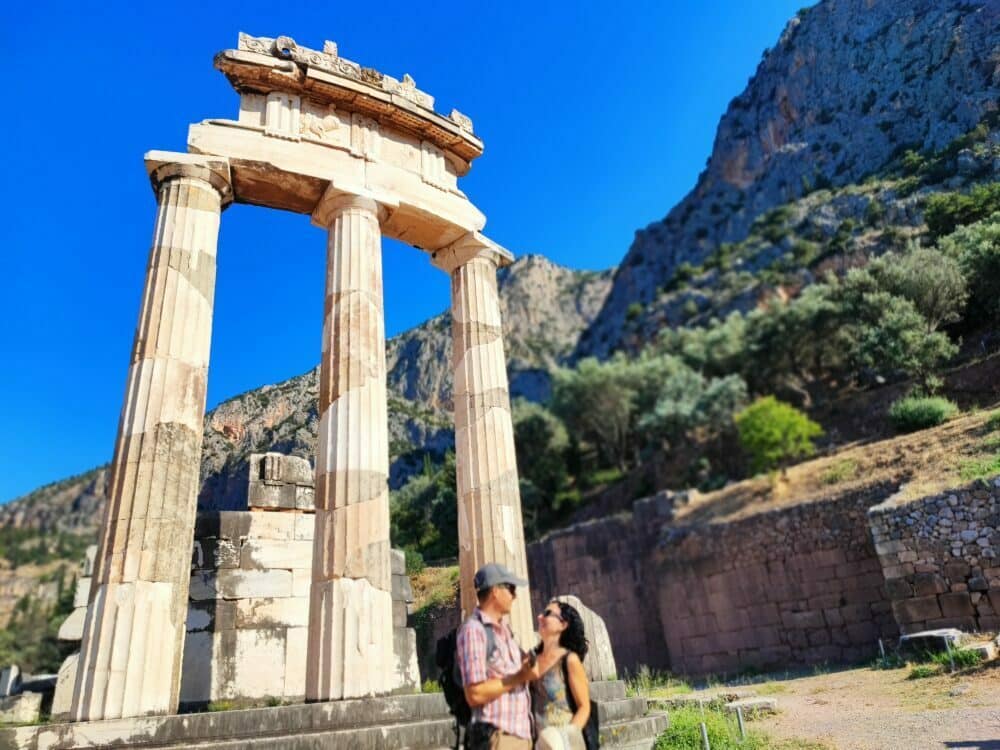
(511, 712)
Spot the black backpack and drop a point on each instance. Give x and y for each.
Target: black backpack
(592, 730)
(450, 678)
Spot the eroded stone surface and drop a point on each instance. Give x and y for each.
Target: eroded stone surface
(600, 660)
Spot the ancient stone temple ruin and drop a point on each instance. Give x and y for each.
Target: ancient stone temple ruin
(363, 155)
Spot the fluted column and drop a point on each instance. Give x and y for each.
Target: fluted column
(490, 528)
(133, 636)
(350, 649)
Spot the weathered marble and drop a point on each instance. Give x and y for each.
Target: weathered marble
(490, 528)
(351, 604)
(133, 636)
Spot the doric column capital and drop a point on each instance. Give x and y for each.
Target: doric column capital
(163, 166)
(469, 247)
(334, 201)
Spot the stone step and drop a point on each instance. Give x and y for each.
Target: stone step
(417, 735)
(610, 690)
(188, 729)
(628, 708)
(634, 733)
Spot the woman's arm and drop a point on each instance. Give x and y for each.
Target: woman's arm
(580, 689)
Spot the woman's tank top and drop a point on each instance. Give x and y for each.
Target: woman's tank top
(549, 699)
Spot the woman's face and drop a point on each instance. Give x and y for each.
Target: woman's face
(550, 621)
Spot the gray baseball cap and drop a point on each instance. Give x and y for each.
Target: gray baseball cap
(494, 574)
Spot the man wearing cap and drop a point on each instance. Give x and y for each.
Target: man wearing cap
(496, 683)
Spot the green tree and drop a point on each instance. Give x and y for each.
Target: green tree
(775, 433)
(930, 279)
(977, 250)
(423, 513)
(542, 444)
(597, 402)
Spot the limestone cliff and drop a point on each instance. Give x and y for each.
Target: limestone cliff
(849, 86)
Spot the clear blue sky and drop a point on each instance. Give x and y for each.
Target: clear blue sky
(597, 118)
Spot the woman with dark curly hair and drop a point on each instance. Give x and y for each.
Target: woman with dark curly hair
(560, 697)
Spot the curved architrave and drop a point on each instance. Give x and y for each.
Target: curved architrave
(294, 175)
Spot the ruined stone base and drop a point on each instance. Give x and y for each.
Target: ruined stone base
(415, 722)
(127, 655)
(352, 651)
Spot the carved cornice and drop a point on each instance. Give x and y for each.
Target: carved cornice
(329, 60)
(265, 65)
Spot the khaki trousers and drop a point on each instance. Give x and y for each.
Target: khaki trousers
(504, 741)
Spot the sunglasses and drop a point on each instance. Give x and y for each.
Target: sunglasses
(553, 613)
(511, 588)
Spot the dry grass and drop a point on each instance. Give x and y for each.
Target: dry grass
(434, 586)
(927, 461)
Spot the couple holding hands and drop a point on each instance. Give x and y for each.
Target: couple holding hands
(517, 696)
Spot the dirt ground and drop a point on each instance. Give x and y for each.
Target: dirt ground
(868, 709)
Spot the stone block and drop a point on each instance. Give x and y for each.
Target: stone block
(62, 700)
(214, 554)
(404, 646)
(928, 584)
(305, 526)
(401, 589)
(301, 581)
(398, 614)
(24, 708)
(956, 605)
(89, 558)
(260, 554)
(280, 468)
(898, 588)
(397, 562)
(81, 595)
(862, 632)
(296, 647)
(270, 525)
(956, 570)
(288, 612)
(211, 614)
(241, 584)
(803, 620)
(10, 681)
(916, 609)
(72, 627)
(600, 662)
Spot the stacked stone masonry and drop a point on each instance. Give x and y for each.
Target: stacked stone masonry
(941, 558)
(793, 586)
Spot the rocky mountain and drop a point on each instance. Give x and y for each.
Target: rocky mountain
(545, 307)
(850, 86)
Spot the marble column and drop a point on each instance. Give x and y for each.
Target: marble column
(350, 651)
(490, 528)
(133, 636)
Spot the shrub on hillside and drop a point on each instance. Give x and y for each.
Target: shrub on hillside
(945, 212)
(920, 412)
(775, 433)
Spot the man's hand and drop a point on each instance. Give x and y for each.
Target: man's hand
(529, 669)
(488, 690)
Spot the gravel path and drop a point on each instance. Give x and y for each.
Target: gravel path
(865, 709)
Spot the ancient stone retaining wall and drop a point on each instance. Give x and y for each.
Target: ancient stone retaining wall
(601, 563)
(791, 586)
(941, 557)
